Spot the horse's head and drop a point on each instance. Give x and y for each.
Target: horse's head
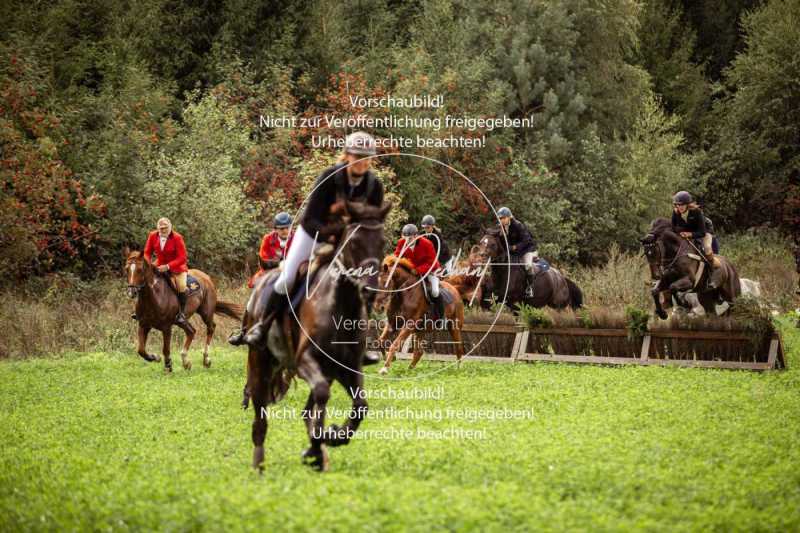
(653, 244)
(491, 246)
(362, 239)
(137, 270)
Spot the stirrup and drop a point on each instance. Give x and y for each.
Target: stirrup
(529, 291)
(237, 337)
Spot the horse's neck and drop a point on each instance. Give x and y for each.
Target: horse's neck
(674, 245)
(155, 288)
(346, 296)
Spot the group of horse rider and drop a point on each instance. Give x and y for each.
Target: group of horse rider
(351, 179)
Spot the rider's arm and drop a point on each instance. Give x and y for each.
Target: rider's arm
(320, 201)
(376, 197)
(399, 248)
(180, 249)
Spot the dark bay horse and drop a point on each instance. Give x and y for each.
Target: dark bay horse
(323, 341)
(407, 310)
(157, 305)
(675, 271)
(550, 288)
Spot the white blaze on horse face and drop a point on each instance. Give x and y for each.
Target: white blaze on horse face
(133, 271)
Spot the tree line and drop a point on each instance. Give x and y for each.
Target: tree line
(115, 113)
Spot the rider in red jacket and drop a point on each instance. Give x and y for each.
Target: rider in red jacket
(274, 246)
(170, 252)
(422, 254)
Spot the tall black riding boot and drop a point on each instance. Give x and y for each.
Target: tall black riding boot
(275, 306)
(438, 305)
(180, 318)
(237, 338)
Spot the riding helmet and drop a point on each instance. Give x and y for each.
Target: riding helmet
(504, 212)
(409, 230)
(282, 220)
(682, 198)
(428, 220)
(360, 143)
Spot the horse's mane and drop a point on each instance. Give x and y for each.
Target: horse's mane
(391, 260)
(660, 226)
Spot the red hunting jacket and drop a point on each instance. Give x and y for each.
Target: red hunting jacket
(173, 254)
(271, 247)
(270, 251)
(423, 256)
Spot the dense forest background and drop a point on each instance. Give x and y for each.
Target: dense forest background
(114, 113)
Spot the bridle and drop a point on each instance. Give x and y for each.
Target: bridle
(657, 244)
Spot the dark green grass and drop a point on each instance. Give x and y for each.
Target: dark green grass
(106, 441)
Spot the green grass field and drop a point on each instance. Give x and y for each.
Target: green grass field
(105, 441)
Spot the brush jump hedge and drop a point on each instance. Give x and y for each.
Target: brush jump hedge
(510, 343)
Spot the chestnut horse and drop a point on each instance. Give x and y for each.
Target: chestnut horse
(157, 305)
(325, 339)
(473, 280)
(403, 298)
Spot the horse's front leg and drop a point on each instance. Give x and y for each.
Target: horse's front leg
(316, 455)
(680, 286)
(256, 389)
(142, 348)
(396, 345)
(166, 335)
(353, 382)
(655, 292)
(187, 363)
(385, 334)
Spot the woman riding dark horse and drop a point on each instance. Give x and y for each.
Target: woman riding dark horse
(325, 339)
(510, 277)
(349, 180)
(679, 269)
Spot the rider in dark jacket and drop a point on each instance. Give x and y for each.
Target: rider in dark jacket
(351, 180)
(520, 243)
(689, 222)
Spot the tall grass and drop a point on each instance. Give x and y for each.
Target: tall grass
(61, 313)
(58, 313)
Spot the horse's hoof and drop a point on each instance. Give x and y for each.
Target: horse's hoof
(383, 370)
(661, 314)
(168, 369)
(316, 460)
(156, 358)
(207, 363)
(187, 365)
(258, 458)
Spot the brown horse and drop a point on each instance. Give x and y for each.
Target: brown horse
(323, 341)
(551, 288)
(473, 280)
(407, 308)
(157, 305)
(688, 280)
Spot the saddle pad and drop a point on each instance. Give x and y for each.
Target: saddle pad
(540, 267)
(192, 285)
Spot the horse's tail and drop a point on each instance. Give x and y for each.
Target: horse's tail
(229, 309)
(575, 294)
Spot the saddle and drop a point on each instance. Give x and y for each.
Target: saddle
(193, 285)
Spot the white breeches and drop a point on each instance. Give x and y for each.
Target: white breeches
(302, 246)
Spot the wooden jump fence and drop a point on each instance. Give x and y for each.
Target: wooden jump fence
(506, 343)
